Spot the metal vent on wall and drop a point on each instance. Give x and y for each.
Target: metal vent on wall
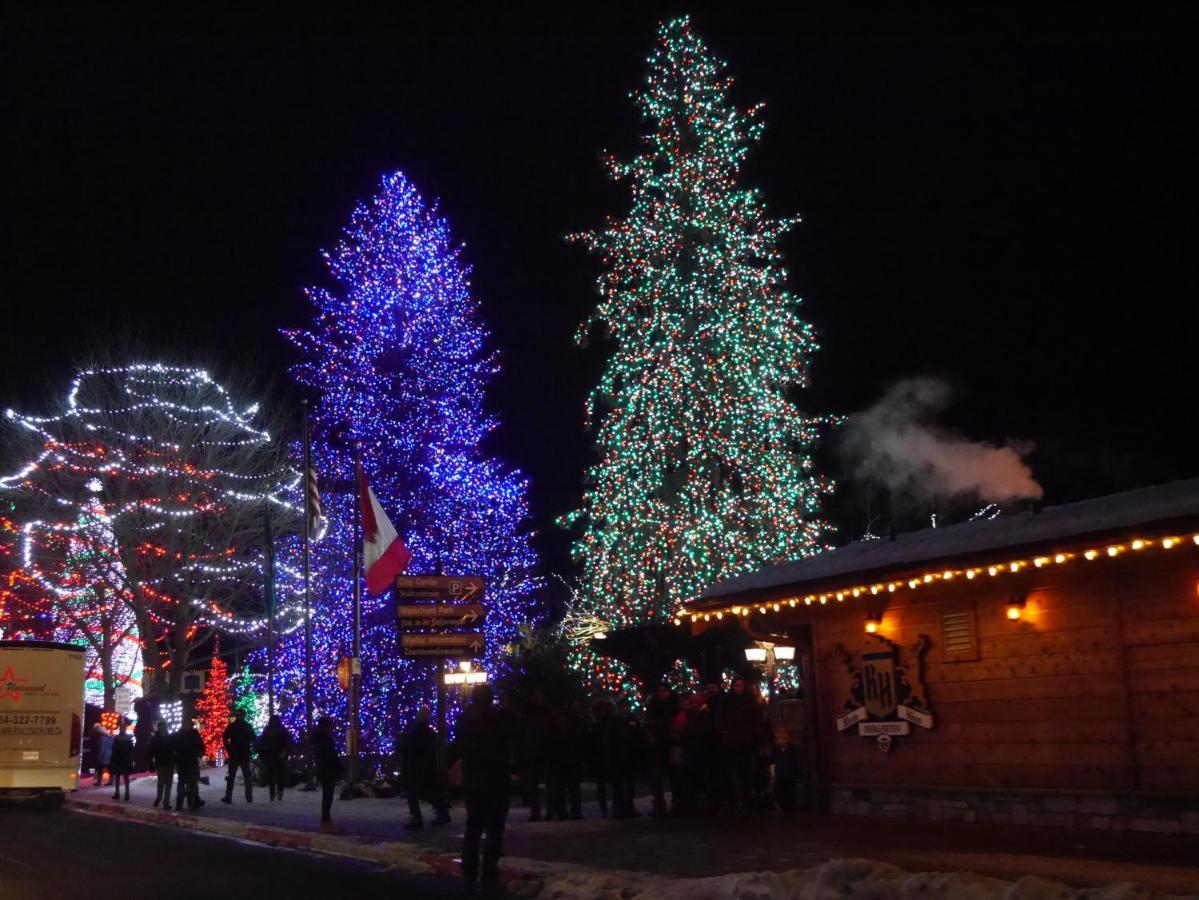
(957, 632)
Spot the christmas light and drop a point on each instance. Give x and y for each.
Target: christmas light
(705, 465)
(1014, 566)
(396, 361)
(212, 708)
(171, 712)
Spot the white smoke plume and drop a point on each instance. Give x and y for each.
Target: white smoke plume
(897, 442)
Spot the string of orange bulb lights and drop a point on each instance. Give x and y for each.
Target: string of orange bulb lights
(1009, 567)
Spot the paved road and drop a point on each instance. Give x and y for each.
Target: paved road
(67, 855)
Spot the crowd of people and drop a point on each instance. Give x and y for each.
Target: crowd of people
(713, 751)
(175, 759)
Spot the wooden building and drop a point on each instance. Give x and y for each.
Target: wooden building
(1040, 668)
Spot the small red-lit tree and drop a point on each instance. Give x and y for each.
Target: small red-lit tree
(212, 709)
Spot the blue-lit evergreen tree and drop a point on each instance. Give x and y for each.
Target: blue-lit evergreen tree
(397, 360)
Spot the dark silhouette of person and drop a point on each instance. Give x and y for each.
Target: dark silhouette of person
(484, 741)
(739, 737)
(147, 712)
(600, 748)
(564, 767)
(328, 767)
(627, 748)
(189, 747)
(162, 761)
(239, 741)
(121, 762)
(274, 748)
(534, 732)
(659, 719)
(419, 759)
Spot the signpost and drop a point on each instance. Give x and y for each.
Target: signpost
(437, 615)
(465, 588)
(447, 645)
(440, 615)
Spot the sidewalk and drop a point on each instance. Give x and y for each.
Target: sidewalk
(684, 847)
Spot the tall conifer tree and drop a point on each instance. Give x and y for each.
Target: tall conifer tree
(398, 363)
(704, 455)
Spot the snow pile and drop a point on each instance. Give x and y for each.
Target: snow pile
(837, 879)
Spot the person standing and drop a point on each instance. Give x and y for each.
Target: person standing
(600, 750)
(420, 766)
(659, 720)
(239, 740)
(626, 753)
(121, 763)
(147, 712)
(740, 733)
(564, 767)
(101, 751)
(274, 748)
(484, 741)
(328, 767)
(189, 747)
(535, 732)
(162, 761)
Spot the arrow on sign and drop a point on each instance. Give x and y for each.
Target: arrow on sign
(471, 589)
(440, 587)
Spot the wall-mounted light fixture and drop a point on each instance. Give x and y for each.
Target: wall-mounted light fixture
(1015, 606)
(784, 654)
(873, 622)
(755, 654)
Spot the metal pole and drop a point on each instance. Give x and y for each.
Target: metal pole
(307, 579)
(270, 607)
(443, 788)
(355, 661)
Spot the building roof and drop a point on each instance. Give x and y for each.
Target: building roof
(1148, 509)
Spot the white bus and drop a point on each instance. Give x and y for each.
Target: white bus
(41, 717)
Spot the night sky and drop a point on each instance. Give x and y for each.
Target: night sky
(1005, 202)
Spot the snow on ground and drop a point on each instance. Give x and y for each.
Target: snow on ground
(837, 879)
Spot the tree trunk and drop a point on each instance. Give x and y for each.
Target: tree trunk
(110, 688)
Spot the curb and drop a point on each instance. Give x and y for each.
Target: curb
(400, 856)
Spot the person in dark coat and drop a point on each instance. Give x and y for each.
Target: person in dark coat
(274, 748)
(101, 751)
(328, 767)
(564, 767)
(627, 746)
(484, 742)
(162, 761)
(419, 759)
(599, 750)
(147, 712)
(786, 771)
(189, 747)
(659, 720)
(534, 732)
(739, 737)
(239, 741)
(121, 763)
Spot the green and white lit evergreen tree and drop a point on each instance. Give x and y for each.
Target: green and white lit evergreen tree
(704, 464)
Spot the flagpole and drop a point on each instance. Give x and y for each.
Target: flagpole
(307, 577)
(356, 660)
(269, 540)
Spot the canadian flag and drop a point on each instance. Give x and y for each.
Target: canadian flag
(383, 553)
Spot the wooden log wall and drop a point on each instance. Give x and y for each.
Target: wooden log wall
(1096, 687)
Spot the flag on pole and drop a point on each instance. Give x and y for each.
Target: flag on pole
(384, 555)
(318, 524)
